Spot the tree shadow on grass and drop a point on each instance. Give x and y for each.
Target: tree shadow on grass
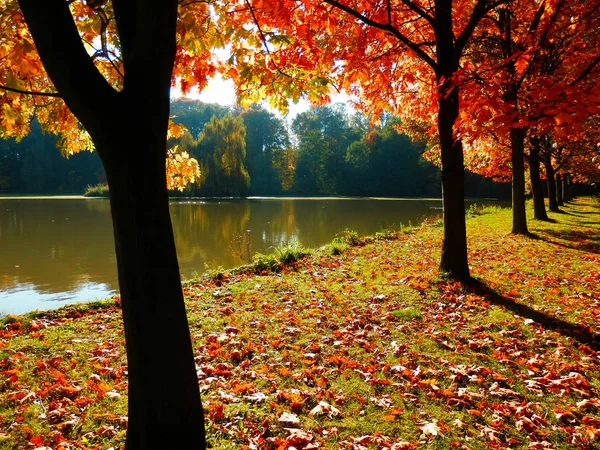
(582, 334)
(588, 241)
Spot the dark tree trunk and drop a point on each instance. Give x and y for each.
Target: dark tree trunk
(539, 207)
(552, 204)
(517, 144)
(454, 261)
(164, 400)
(567, 194)
(129, 131)
(559, 190)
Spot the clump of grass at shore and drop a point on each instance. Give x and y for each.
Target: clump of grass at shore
(368, 349)
(98, 190)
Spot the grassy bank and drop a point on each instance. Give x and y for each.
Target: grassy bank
(369, 349)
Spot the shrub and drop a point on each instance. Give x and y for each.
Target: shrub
(99, 190)
(348, 237)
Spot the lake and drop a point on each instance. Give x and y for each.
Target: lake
(55, 251)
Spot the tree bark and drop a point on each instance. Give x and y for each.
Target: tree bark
(567, 194)
(552, 203)
(559, 190)
(454, 261)
(129, 130)
(519, 217)
(539, 207)
(164, 400)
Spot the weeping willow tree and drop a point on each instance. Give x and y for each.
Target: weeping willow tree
(220, 150)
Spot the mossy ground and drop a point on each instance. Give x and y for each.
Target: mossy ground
(369, 349)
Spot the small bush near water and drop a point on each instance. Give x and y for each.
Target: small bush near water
(99, 190)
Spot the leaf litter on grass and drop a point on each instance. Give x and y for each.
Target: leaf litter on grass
(366, 350)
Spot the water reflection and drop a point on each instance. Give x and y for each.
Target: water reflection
(54, 251)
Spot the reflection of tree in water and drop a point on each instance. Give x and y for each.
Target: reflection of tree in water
(204, 230)
(62, 246)
(56, 244)
(227, 233)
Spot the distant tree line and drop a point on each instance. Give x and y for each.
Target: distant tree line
(325, 151)
(35, 166)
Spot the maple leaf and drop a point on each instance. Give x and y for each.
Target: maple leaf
(430, 429)
(289, 418)
(324, 408)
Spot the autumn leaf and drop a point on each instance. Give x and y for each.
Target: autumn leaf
(430, 429)
(289, 418)
(324, 408)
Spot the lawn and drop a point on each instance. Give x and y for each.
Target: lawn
(368, 349)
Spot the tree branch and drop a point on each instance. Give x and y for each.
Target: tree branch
(263, 38)
(587, 71)
(37, 93)
(420, 12)
(481, 9)
(386, 27)
(65, 59)
(147, 33)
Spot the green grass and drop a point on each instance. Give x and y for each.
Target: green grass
(99, 190)
(406, 357)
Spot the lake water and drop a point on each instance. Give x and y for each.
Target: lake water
(57, 251)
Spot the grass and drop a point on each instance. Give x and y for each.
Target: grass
(368, 349)
(99, 190)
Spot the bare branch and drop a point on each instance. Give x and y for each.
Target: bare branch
(37, 93)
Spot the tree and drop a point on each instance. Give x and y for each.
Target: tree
(194, 114)
(325, 130)
(311, 170)
(540, 75)
(123, 103)
(385, 53)
(266, 138)
(221, 150)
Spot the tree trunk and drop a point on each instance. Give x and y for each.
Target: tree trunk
(164, 399)
(539, 207)
(454, 261)
(129, 129)
(567, 195)
(517, 144)
(559, 190)
(552, 204)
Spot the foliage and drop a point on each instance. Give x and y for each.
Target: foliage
(349, 237)
(290, 252)
(283, 256)
(98, 190)
(266, 142)
(181, 169)
(35, 165)
(367, 350)
(220, 150)
(369, 166)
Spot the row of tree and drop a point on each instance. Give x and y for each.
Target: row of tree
(251, 151)
(35, 165)
(327, 151)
